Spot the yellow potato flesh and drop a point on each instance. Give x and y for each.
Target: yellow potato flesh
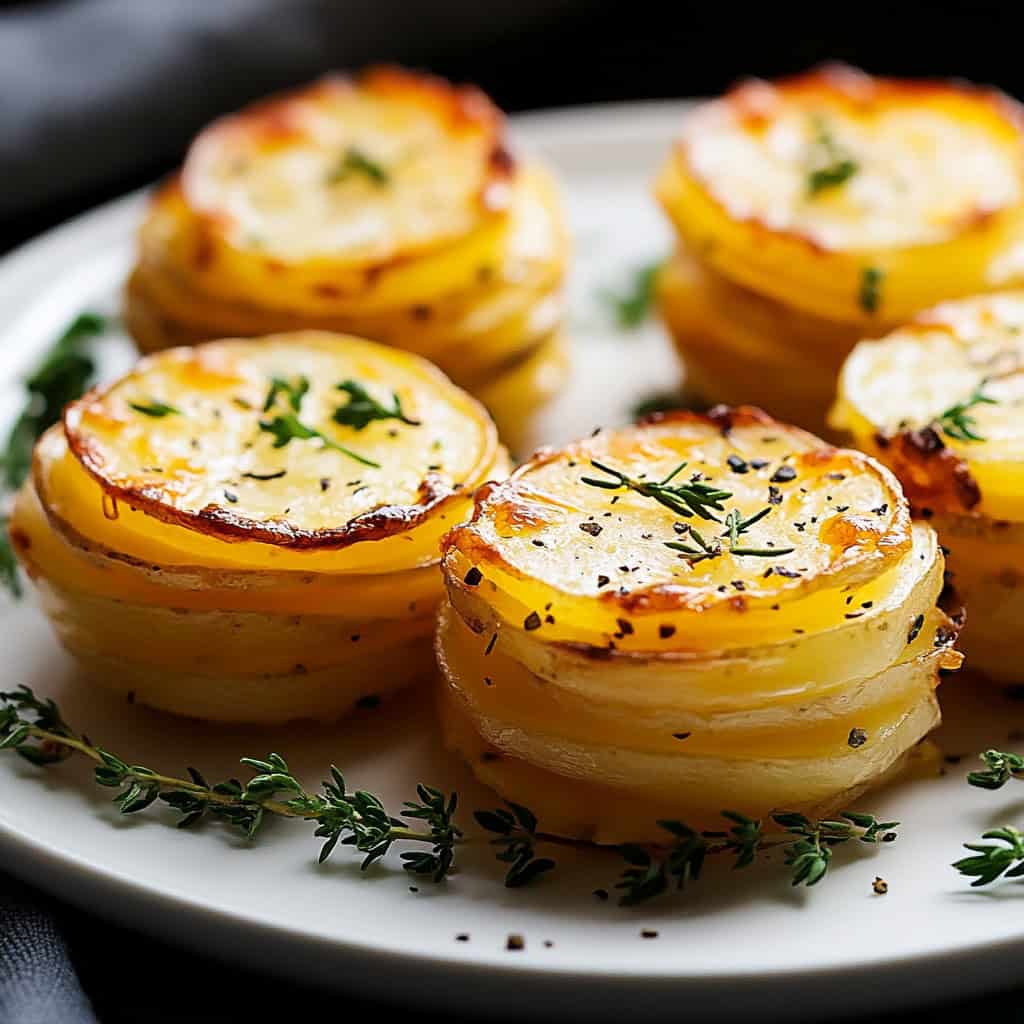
(276, 183)
(843, 516)
(909, 378)
(738, 346)
(935, 221)
(187, 460)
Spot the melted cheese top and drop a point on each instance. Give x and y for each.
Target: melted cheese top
(211, 464)
(959, 349)
(834, 516)
(358, 172)
(924, 162)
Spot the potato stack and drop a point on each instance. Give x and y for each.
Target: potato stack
(825, 208)
(248, 530)
(387, 206)
(692, 614)
(941, 401)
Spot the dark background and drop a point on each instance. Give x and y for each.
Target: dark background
(100, 96)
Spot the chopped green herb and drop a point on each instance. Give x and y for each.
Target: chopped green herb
(362, 408)
(870, 295)
(155, 409)
(956, 422)
(294, 391)
(832, 165)
(355, 161)
(287, 427)
(8, 563)
(632, 306)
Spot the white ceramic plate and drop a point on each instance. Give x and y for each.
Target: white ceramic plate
(734, 943)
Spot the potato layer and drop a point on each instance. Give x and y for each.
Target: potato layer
(386, 207)
(821, 209)
(693, 614)
(941, 401)
(266, 513)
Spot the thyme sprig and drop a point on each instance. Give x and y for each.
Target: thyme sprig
(956, 421)
(65, 372)
(632, 306)
(34, 729)
(516, 829)
(1005, 857)
(362, 408)
(286, 425)
(687, 500)
(63, 375)
(807, 845)
(1002, 859)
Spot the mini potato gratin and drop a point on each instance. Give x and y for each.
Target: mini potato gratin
(828, 207)
(385, 206)
(694, 613)
(248, 530)
(941, 401)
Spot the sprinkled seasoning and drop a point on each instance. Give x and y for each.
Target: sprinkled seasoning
(915, 629)
(665, 631)
(532, 621)
(783, 475)
(880, 886)
(592, 528)
(515, 943)
(869, 297)
(473, 577)
(857, 738)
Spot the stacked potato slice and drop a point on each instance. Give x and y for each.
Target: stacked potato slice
(386, 207)
(825, 208)
(941, 400)
(249, 530)
(692, 614)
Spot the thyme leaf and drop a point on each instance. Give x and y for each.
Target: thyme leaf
(155, 409)
(362, 408)
(516, 829)
(807, 846)
(632, 306)
(956, 421)
(355, 161)
(63, 375)
(832, 164)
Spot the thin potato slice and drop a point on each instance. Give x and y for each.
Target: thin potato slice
(193, 437)
(798, 188)
(350, 173)
(971, 351)
(835, 517)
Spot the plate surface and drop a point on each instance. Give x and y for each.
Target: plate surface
(733, 943)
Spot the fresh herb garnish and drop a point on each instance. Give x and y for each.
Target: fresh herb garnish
(870, 295)
(1005, 857)
(807, 846)
(660, 402)
(35, 729)
(362, 408)
(64, 374)
(517, 833)
(8, 563)
(155, 409)
(632, 306)
(687, 500)
(286, 426)
(293, 390)
(956, 422)
(356, 161)
(833, 165)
